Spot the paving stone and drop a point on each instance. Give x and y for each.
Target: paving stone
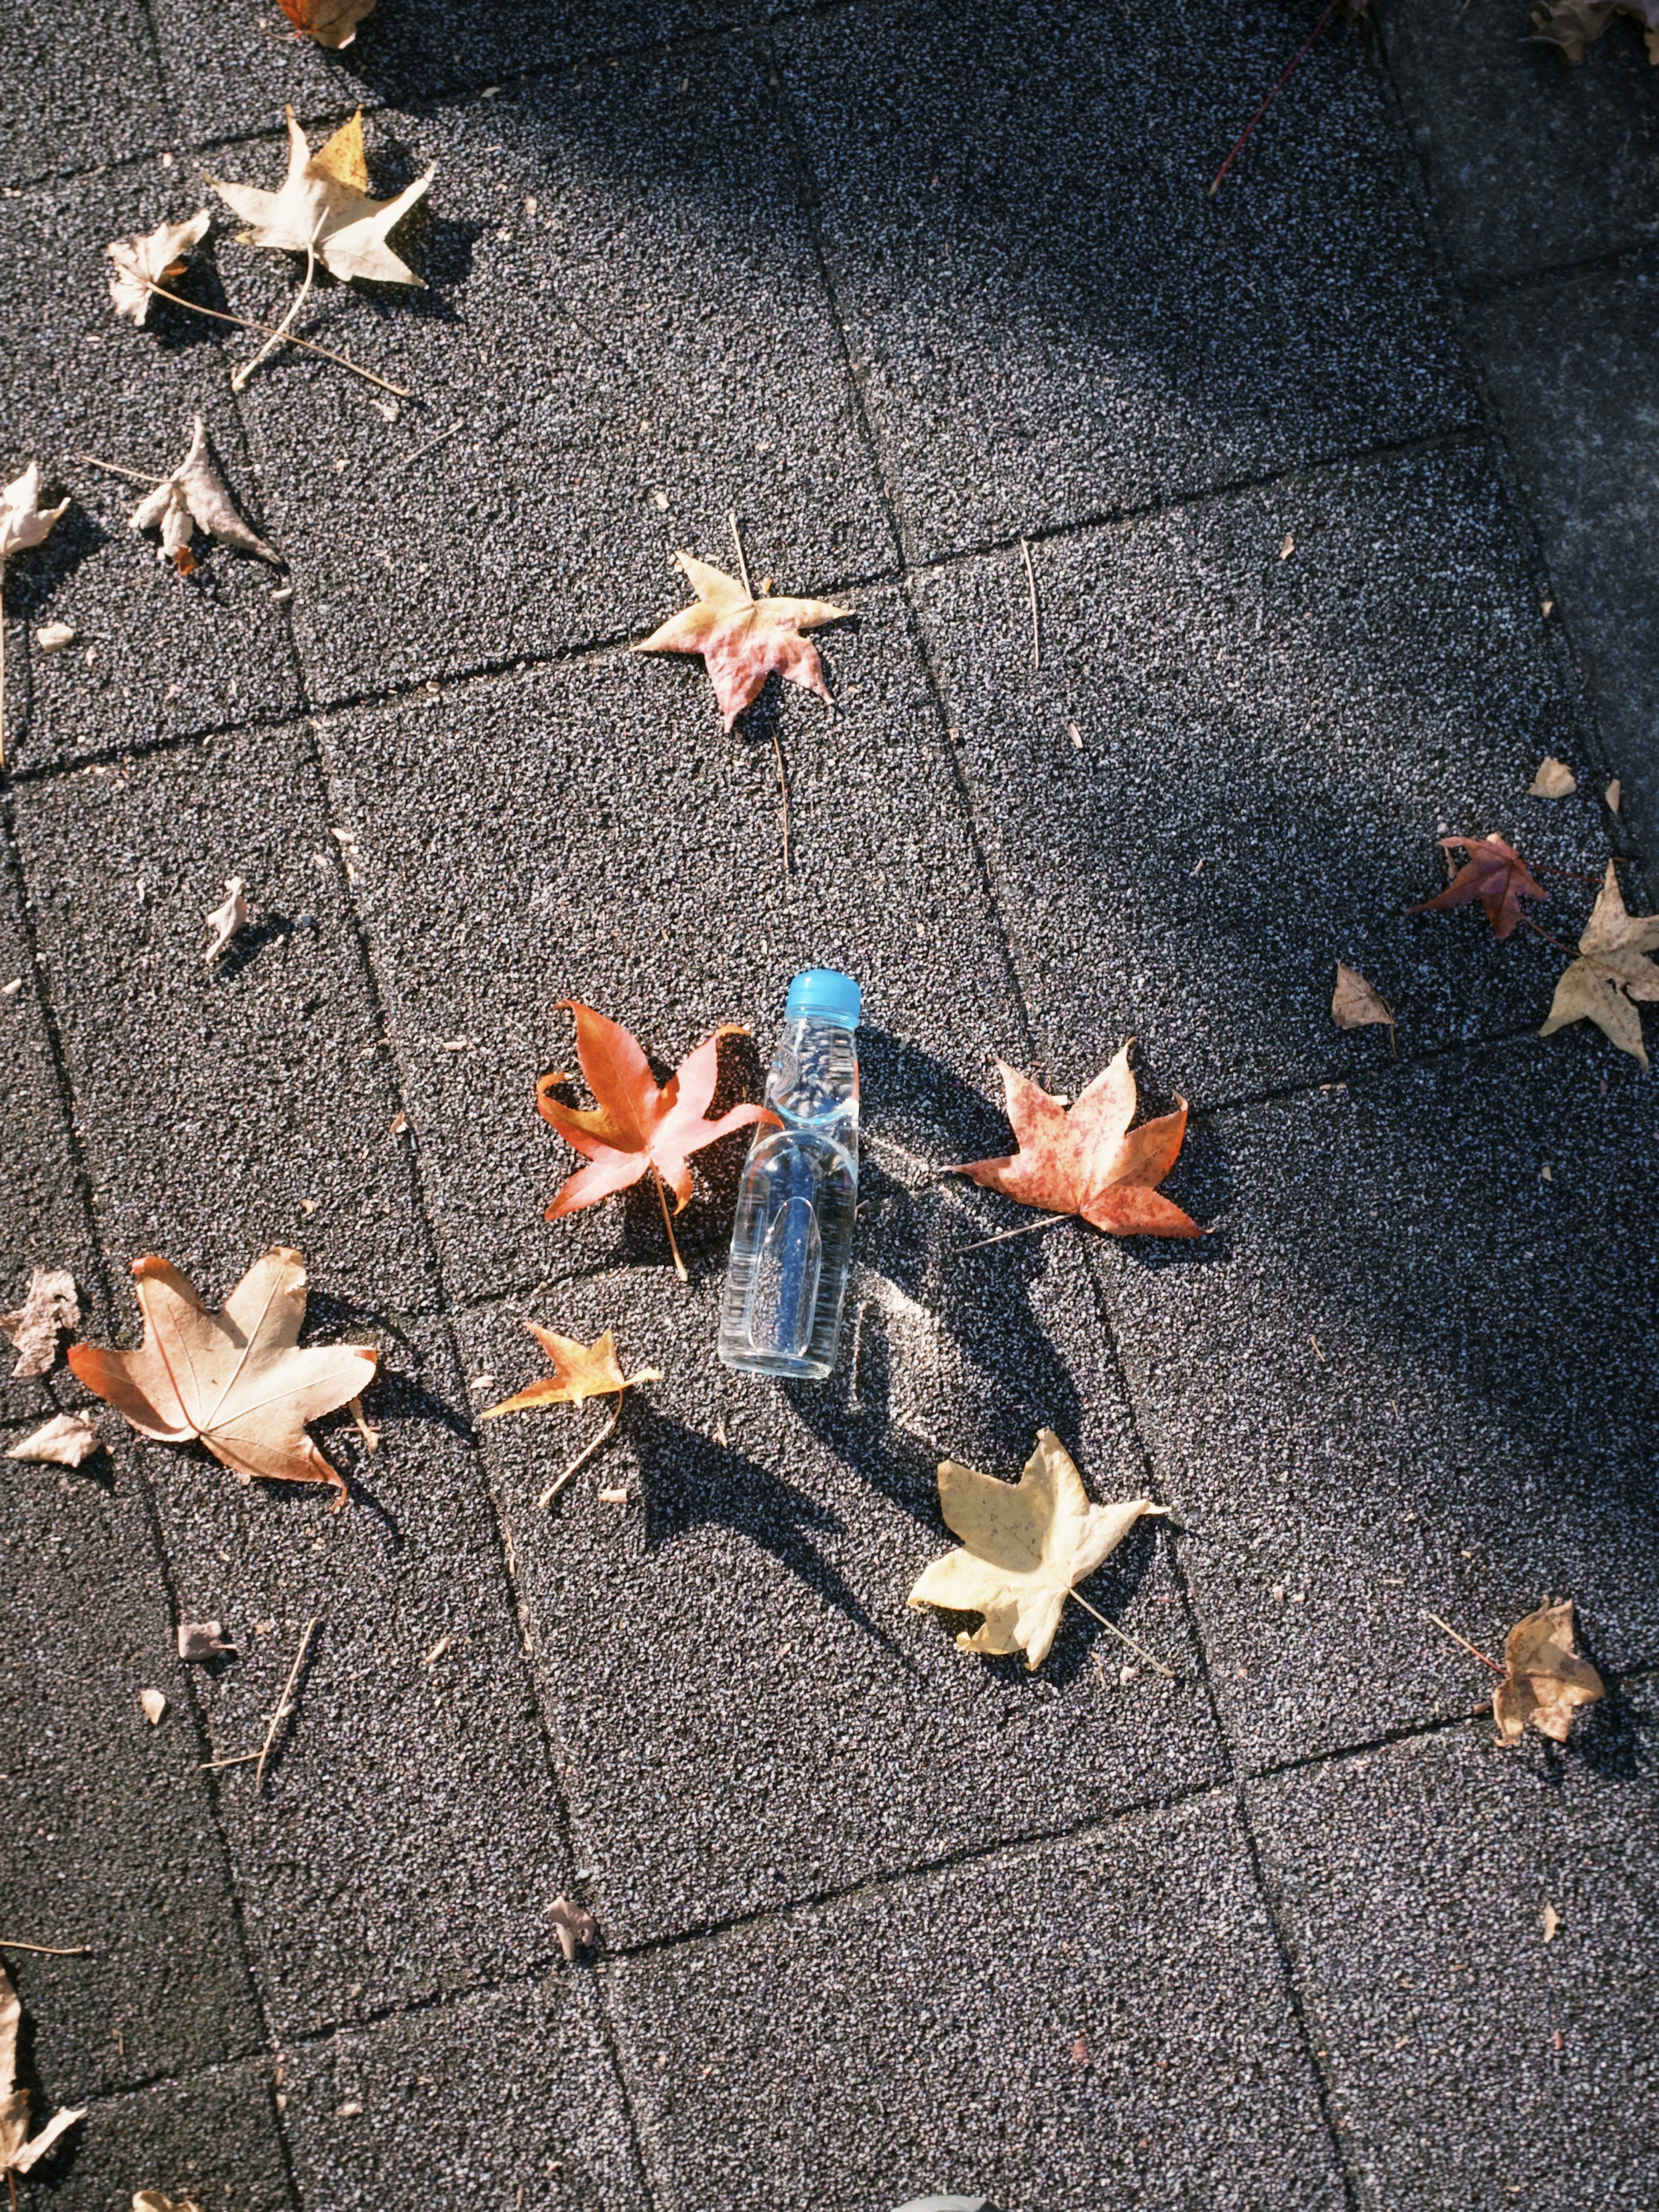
(170, 654)
(1004, 2027)
(407, 1840)
(212, 2138)
(467, 2103)
(609, 375)
(588, 833)
(1051, 320)
(110, 1835)
(1563, 363)
(85, 87)
(218, 1104)
(747, 1710)
(1265, 750)
(1408, 1375)
(1531, 164)
(1473, 2061)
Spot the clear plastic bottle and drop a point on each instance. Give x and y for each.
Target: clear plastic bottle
(793, 1233)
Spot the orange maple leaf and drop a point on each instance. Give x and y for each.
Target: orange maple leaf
(637, 1125)
(743, 639)
(579, 1371)
(1087, 1160)
(1494, 874)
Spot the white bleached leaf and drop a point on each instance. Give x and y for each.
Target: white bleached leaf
(142, 261)
(323, 205)
(49, 1307)
(66, 1441)
(1612, 970)
(573, 1925)
(18, 2153)
(225, 921)
(1554, 780)
(23, 521)
(194, 497)
(155, 1705)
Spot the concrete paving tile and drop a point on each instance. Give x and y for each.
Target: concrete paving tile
(747, 1711)
(1566, 365)
(1473, 2062)
(407, 1841)
(1531, 164)
(1005, 2026)
(110, 1835)
(1051, 320)
(587, 832)
(212, 2138)
(609, 372)
(170, 654)
(85, 87)
(226, 1109)
(1408, 1375)
(510, 2091)
(1230, 770)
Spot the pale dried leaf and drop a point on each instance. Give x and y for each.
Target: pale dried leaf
(155, 1705)
(194, 497)
(49, 1306)
(1554, 780)
(574, 1925)
(332, 23)
(17, 2152)
(1551, 1920)
(323, 204)
(53, 637)
(143, 261)
(1353, 1002)
(1612, 969)
(204, 1639)
(1026, 1547)
(225, 921)
(66, 1441)
(1546, 1680)
(1613, 795)
(23, 521)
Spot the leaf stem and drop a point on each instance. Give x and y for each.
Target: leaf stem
(247, 323)
(673, 1245)
(115, 468)
(47, 1950)
(1049, 1221)
(1289, 71)
(1139, 1649)
(1474, 1649)
(239, 377)
(283, 1708)
(1545, 934)
(585, 1454)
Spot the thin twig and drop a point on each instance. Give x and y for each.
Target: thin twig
(673, 1246)
(1465, 1644)
(1290, 67)
(1049, 1221)
(1545, 934)
(116, 469)
(736, 539)
(239, 377)
(421, 452)
(1030, 586)
(47, 1950)
(1139, 1649)
(283, 1708)
(582, 1456)
(238, 1758)
(247, 323)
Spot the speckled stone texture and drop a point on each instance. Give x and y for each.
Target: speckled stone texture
(213, 2136)
(83, 87)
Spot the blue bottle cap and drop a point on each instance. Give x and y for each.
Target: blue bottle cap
(823, 994)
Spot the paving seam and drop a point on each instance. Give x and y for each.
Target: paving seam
(1478, 293)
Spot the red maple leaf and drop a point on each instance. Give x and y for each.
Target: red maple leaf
(1494, 874)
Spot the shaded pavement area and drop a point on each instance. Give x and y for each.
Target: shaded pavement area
(1338, 494)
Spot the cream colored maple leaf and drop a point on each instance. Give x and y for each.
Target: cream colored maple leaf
(1611, 969)
(237, 1379)
(143, 261)
(743, 639)
(324, 206)
(194, 497)
(18, 2153)
(1026, 1547)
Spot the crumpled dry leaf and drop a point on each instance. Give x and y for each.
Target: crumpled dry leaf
(142, 261)
(204, 1639)
(1551, 1922)
(332, 23)
(1611, 970)
(636, 1124)
(225, 921)
(1086, 1159)
(1569, 26)
(49, 1307)
(575, 1926)
(23, 521)
(155, 1705)
(742, 639)
(1554, 780)
(237, 1380)
(1494, 874)
(579, 1371)
(324, 204)
(1545, 1677)
(1026, 1547)
(1353, 1002)
(66, 1440)
(195, 495)
(18, 2153)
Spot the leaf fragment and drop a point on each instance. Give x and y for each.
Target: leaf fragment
(226, 919)
(237, 1380)
(575, 1926)
(50, 1306)
(324, 206)
(143, 262)
(1085, 1159)
(1544, 1678)
(1026, 1547)
(155, 1705)
(1550, 1920)
(1353, 1002)
(1554, 780)
(17, 2152)
(332, 23)
(1494, 874)
(23, 521)
(204, 1639)
(1613, 795)
(194, 497)
(53, 637)
(66, 1440)
(743, 639)
(1612, 971)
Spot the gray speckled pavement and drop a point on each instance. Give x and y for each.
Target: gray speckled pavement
(1338, 491)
